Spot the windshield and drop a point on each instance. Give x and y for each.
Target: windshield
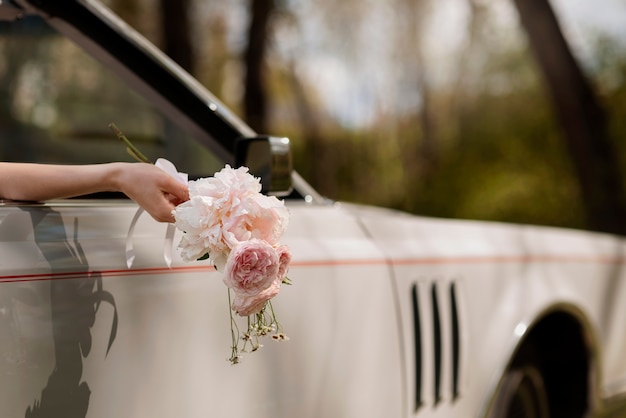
(56, 103)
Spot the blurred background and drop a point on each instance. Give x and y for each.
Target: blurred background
(505, 110)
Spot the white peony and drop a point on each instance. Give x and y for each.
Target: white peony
(225, 210)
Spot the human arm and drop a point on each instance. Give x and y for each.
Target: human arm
(153, 189)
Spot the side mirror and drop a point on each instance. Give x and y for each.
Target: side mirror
(269, 158)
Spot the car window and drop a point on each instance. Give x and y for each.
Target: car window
(56, 103)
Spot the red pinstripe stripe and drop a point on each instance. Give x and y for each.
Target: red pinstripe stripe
(103, 273)
(512, 259)
(329, 263)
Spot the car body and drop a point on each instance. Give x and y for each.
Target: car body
(389, 315)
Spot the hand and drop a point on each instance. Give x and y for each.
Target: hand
(152, 188)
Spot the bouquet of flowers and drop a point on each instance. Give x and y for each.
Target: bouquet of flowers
(230, 222)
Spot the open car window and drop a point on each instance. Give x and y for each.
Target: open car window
(56, 103)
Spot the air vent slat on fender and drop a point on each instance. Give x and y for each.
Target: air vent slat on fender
(418, 347)
(436, 342)
(456, 348)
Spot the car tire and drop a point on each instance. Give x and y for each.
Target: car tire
(522, 394)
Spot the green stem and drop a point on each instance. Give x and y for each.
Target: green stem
(130, 148)
(234, 338)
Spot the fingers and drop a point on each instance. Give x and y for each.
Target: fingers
(178, 190)
(174, 193)
(182, 193)
(163, 212)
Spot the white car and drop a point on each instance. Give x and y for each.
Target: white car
(389, 315)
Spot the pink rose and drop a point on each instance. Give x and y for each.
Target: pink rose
(251, 267)
(250, 305)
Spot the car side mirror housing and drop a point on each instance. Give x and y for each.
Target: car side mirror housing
(268, 158)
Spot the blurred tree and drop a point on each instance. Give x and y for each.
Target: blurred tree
(255, 94)
(214, 55)
(176, 29)
(419, 136)
(581, 116)
(479, 29)
(309, 127)
(428, 153)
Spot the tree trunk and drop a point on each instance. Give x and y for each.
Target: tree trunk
(412, 18)
(176, 27)
(255, 100)
(581, 116)
(317, 165)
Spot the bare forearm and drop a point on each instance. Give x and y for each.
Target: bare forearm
(22, 181)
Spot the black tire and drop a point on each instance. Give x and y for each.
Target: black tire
(522, 394)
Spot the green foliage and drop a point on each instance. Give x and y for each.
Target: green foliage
(501, 156)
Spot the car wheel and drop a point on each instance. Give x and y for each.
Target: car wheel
(522, 395)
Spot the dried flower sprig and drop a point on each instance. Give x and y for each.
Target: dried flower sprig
(260, 324)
